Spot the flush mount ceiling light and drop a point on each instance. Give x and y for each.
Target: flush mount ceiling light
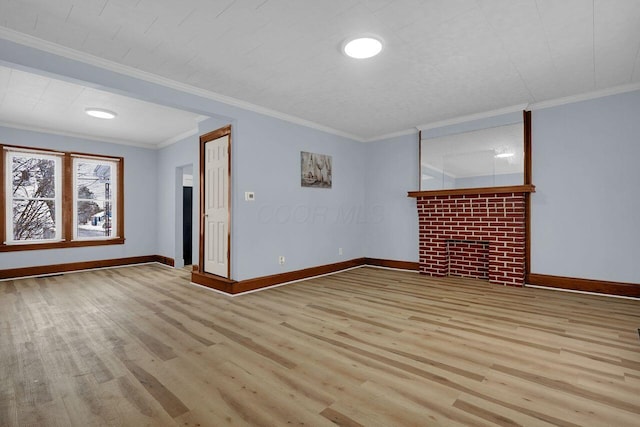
(504, 155)
(100, 113)
(362, 47)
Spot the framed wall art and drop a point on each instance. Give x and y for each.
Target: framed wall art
(315, 170)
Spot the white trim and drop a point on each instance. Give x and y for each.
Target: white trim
(31, 151)
(56, 49)
(176, 138)
(185, 134)
(472, 117)
(616, 90)
(551, 288)
(106, 139)
(412, 131)
(96, 158)
(33, 241)
(76, 135)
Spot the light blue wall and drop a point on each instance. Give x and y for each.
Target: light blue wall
(392, 171)
(584, 213)
(586, 209)
(140, 193)
(306, 225)
(171, 160)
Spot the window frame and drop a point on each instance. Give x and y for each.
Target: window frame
(57, 198)
(75, 158)
(68, 198)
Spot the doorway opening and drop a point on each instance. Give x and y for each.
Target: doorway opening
(187, 215)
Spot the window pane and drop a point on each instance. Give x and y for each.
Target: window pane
(33, 177)
(33, 220)
(94, 181)
(95, 219)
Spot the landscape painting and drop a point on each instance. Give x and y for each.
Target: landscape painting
(315, 170)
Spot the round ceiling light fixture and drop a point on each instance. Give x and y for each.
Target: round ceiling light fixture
(100, 113)
(362, 47)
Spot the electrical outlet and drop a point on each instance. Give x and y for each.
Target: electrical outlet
(281, 259)
(339, 251)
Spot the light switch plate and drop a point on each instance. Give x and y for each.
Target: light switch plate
(249, 196)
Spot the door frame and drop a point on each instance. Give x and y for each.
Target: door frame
(218, 133)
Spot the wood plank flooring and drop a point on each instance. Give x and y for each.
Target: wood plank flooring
(141, 346)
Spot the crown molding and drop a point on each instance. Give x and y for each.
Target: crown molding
(472, 117)
(178, 137)
(77, 135)
(616, 90)
(412, 131)
(150, 146)
(56, 49)
(182, 135)
(86, 58)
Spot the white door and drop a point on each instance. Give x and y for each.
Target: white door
(216, 198)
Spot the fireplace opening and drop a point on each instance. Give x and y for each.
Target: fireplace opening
(468, 258)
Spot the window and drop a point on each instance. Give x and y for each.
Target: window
(95, 208)
(56, 200)
(33, 197)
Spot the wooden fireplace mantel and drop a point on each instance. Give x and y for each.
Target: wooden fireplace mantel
(527, 188)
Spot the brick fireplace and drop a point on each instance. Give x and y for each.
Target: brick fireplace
(476, 233)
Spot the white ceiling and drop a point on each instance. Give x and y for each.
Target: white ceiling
(37, 102)
(442, 58)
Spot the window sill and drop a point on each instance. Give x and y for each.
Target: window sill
(59, 245)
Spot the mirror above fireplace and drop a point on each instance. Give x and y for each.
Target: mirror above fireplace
(486, 157)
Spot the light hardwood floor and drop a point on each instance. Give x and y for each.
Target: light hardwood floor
(141, 346)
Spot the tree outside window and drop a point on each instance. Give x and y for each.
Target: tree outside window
(34, 197)
(56, 200)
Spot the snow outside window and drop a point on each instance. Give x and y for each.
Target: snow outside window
(95, 196)
(33, 197)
